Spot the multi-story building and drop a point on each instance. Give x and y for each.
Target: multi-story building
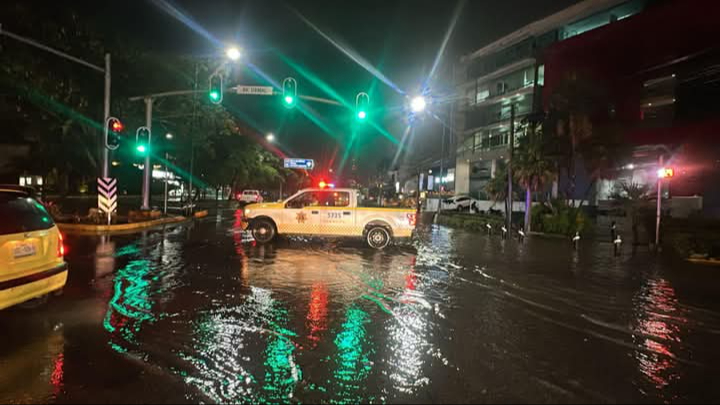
(508, 75)
(659, 73)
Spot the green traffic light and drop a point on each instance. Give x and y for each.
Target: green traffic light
(214, 95)
(141, 148)
(362, 115)
(288, 99)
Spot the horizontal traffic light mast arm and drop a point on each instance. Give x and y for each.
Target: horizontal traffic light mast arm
(320, 100)
(189, 92)
(167, 94)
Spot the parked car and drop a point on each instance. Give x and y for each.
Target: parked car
(31, 249)
(250, 196)
(457, 203)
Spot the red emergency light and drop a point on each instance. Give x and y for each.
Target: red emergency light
(322, 184)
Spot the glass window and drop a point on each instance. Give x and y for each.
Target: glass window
(541, 75)
(22, 214)
(308, 199)
(336, 199)
(482, 95)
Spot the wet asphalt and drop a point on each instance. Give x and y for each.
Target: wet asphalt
(199, 313)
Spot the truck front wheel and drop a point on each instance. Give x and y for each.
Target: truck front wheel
(378, 237)
(263, 231)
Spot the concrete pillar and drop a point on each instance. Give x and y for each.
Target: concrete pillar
(462, 176)
(493, 168)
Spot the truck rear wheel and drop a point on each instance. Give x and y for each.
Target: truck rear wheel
(263, 230)
(378, 237)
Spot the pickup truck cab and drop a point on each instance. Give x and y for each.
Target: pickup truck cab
(329, 212)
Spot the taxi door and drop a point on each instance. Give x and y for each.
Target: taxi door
(337, 215)
(301, 215)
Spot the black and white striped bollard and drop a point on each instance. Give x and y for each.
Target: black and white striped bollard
(504, 232)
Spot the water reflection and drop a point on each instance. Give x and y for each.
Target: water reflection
(352, 358)
(34, 372)
(659, 320)
(224, 364)
(139, 287)
(317, 313)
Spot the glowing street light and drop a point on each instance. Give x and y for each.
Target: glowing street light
(418, 104)
(168, 136)
(233, 53)
(270, 137)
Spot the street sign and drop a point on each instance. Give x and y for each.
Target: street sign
(107, 195)
(255, 90)
(307, 164)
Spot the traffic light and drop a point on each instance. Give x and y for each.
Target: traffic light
(113, 131)
(142, 141)
(362, 102)
(666, 172)
(216, 89)
(289, 94)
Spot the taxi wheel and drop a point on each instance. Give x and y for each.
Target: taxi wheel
(263, 231)
(378, 237)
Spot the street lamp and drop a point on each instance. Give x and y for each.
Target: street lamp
(168, 136)
(418, 104)
(233, 53)
(270, 137)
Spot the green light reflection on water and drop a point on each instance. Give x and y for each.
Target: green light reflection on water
(353, 363)
(131, 304)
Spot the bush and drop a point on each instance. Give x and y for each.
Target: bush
(565, 221)
(471, 222)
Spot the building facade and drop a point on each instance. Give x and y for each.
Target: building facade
(502, 83)
(659, 72)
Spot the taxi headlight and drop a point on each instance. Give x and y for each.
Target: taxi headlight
(247, 211)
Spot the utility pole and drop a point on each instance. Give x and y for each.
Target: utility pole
(659, 204)
(508, 213)
(147, 173)
(165, 204)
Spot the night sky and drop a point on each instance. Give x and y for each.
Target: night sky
(399, 38)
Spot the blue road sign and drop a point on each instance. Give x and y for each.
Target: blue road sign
(306, 164)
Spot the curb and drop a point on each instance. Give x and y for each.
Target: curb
(120, 227)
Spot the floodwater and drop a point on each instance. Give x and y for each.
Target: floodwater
(198, 313)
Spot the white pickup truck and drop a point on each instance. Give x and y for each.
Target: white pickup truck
(329, 212)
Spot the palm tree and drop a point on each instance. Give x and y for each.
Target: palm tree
(632, 197)
(531, 168)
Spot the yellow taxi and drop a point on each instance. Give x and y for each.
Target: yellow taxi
(31, 249)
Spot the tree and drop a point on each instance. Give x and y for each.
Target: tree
(633, 198)
(581, 124)
(531, 168)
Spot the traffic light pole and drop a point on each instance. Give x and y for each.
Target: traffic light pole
(659, 206)
(106, 109)
(147, 173)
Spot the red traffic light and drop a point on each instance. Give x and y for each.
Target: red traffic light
(117, 126)
(322, 184)
(666, 172)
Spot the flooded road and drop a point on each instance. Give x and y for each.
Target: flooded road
(198, 313)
